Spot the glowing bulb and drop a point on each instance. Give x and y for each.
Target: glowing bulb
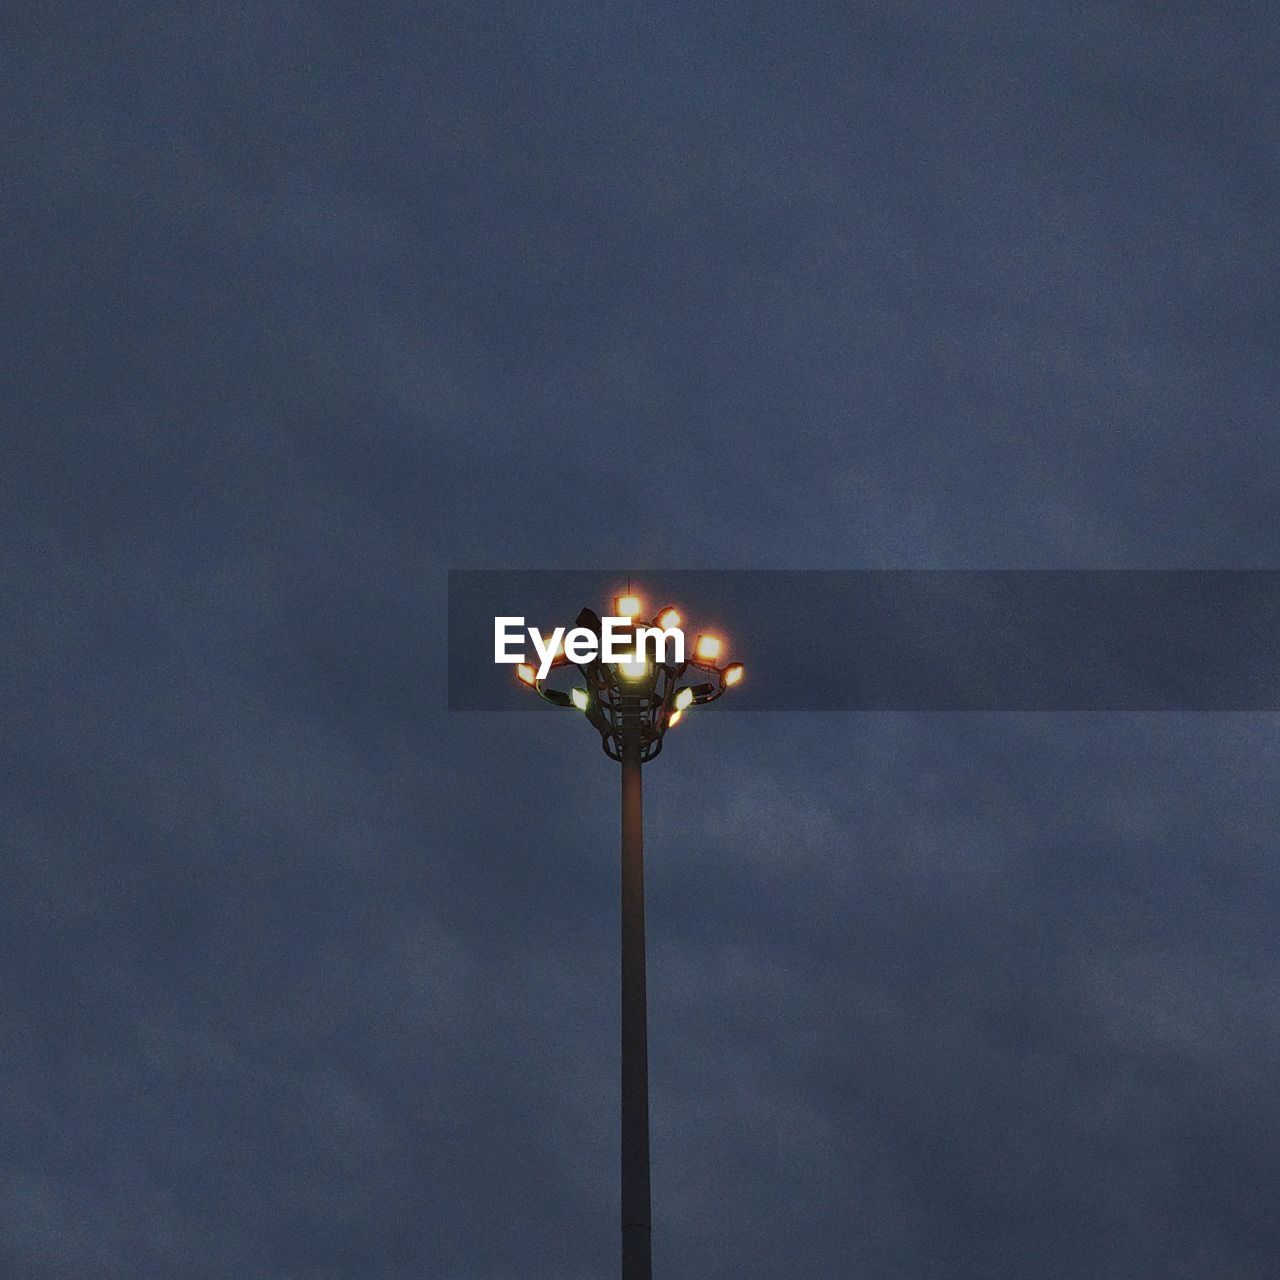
(733, 673)
(580, 699)
(626, 607)
(669, 617)
(683, 698)
(707, 648)
(634, 668)
(527, 674)
(674, 718)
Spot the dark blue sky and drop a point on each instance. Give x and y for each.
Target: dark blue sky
(307, 978)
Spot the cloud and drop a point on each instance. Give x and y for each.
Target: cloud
(308, 978)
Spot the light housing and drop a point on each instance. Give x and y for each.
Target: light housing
(627, 606)
(581, 699)
(669, 617)
(707, 648)
(732, 674)
(633, 668)
(527, 675)
(684, 698)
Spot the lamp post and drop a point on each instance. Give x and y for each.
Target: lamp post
(632, 704)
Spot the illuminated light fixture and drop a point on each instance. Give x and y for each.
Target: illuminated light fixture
(708, 648)
(634, 668)
(632, 720)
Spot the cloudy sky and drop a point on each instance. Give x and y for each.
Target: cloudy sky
(307, 977)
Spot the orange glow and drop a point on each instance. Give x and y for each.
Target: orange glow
(733, 673)
(527, 674)
(708, 648)
(626, 607)
(669, 617)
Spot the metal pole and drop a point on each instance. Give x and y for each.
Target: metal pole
(635, 1041)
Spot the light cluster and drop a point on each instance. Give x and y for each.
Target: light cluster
(637, 693)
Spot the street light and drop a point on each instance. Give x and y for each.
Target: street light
(707, 649)
(632, 704)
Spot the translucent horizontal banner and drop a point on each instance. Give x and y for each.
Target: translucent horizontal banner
(917, 640)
